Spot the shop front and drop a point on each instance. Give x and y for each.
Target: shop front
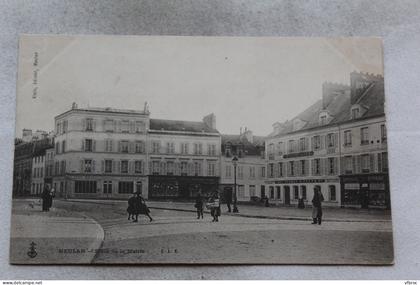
(181, 187)
(365, 190)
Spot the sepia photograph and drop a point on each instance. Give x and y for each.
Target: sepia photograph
(200, 150)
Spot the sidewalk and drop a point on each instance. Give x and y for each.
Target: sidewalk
(273, 212)
(59, 236)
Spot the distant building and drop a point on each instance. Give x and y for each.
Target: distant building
(38, 172)
(338, 144)
(250, 170)
(111, 153)
(49, 167)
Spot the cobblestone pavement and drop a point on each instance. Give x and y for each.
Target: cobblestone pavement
(178, 237)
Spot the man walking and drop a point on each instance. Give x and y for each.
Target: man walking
(317, 205)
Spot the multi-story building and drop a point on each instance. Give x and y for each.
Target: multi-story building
(337, 144)
(184, 158)
(110, 153)
(38, 172)
(100, 152)
(49, 166)
(23, 164)
(250, 166)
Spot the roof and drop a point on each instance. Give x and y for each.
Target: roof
(106, 110)
(372, 100)
(180, 126)
(253, 148)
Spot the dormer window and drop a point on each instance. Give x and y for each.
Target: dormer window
(323, 120)
(355, 112)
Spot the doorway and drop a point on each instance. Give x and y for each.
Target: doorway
(287, 195)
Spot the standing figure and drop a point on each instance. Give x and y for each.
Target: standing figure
(317, 206)
(52, 196)
(45, 196)
(228, 198)
(215, 208)
(131, 209)
(199, 206)
(142, 207)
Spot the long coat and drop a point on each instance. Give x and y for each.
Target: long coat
(317, 205)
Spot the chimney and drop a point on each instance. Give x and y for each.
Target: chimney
(210, 121)
(359, 82)
(74, 105)
(248, 135)
(26, 135)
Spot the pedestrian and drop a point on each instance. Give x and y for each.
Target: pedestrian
(199, 206)
(317, 206)
(52, 196)
(45, 196)
(214, 203)
(131, 209)
(228, 198)
(142, 207)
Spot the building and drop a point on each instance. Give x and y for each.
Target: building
(184, 158)
(112, 153)
(337, 144)
(23, 164)
(101, 153)
(49, 167)
(38, 172)
(250, 166)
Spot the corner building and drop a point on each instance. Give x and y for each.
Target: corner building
(337, 144)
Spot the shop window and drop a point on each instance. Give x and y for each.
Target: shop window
(278, 192)
(296, 192)
(125, 187)
(303, 192)
(332, 193)
(85, 187)
(271, 192)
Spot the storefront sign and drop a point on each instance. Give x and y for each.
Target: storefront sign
(299, 154)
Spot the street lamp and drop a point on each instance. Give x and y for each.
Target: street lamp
(235, 200)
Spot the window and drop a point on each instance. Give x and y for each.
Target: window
(271, 170)
(331, 165)
(197, 168)
(57, 148)
(170, 148)
(84, 187)
(323, 120)
(138, 166)
(170, 168)
(332, 193)
(262, 171)
(296, 192)
(317, 166)
(88, 145)
(107, 187)
(347, 138)
(125, 187)
(278, 190)
(124, 166)
(384, 161)
(155, 147)
(140, 127)
(302, 144)
(303, 192)
(184, 148)
(155, 167)
(241, 191)
(211, 169)
(108, 145)
(139, 147)
(198, 149)
(88, 166)
(355, 113)
(292, 168)
(251, 190)
(108, 166)
(124, 146)
(280, 148)
(228, 171)
(330, 140)
(365, 162)
(109, 125)
(348, 162)
(63, 167)
(383, 133)
(240, 172)
(291, 146)
(125, 126)
(139, 187)
(316, 142)
(271, 151)
(252, 172)
(228, 150)
(364, 136)
(63, 146)
(271, 192)
(57, 168)
(89, 124)
(212, 149)
(184, 168)
(280, 169)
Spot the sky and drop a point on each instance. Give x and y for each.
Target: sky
(248, 82)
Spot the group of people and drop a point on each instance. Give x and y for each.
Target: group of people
(137, 206)
(47, 197)
(213, 203)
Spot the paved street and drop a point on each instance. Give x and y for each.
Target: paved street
(178, 237)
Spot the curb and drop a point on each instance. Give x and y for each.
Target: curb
(285, 218)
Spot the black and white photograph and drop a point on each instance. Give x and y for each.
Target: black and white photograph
(201, 150)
